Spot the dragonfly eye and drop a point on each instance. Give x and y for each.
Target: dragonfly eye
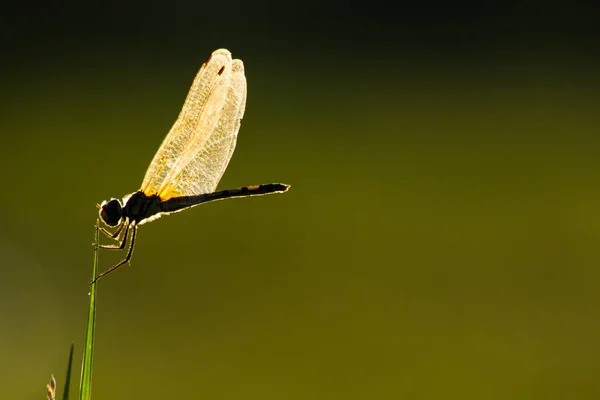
(111, 212)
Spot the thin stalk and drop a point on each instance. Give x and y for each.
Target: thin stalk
(85, 388)
(67, 387)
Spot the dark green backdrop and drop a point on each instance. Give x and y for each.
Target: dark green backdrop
(440, 239)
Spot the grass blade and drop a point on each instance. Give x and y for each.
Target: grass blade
(67, 386)
(85, 388)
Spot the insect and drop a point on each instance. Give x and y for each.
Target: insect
(192, 158)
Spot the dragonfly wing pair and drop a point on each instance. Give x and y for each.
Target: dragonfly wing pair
(195, 153)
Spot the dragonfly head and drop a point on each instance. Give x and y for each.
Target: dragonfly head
(111, 212)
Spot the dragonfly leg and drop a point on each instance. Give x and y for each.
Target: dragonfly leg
(129, 254)
(122, 241)
(113, 235)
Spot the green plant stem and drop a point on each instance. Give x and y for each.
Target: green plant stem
(85, 389)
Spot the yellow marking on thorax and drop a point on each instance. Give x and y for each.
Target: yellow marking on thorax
(168, 192)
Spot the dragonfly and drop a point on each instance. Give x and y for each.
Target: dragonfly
(192, 158)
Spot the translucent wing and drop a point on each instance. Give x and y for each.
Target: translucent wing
(195, 153)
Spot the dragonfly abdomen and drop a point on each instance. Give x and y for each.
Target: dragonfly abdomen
(179, 203)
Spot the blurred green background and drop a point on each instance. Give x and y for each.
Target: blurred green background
(440, 239)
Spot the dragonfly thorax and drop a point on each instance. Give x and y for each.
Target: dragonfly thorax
(111, 212)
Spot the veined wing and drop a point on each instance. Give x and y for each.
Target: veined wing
(203, 166)
(195, 153)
